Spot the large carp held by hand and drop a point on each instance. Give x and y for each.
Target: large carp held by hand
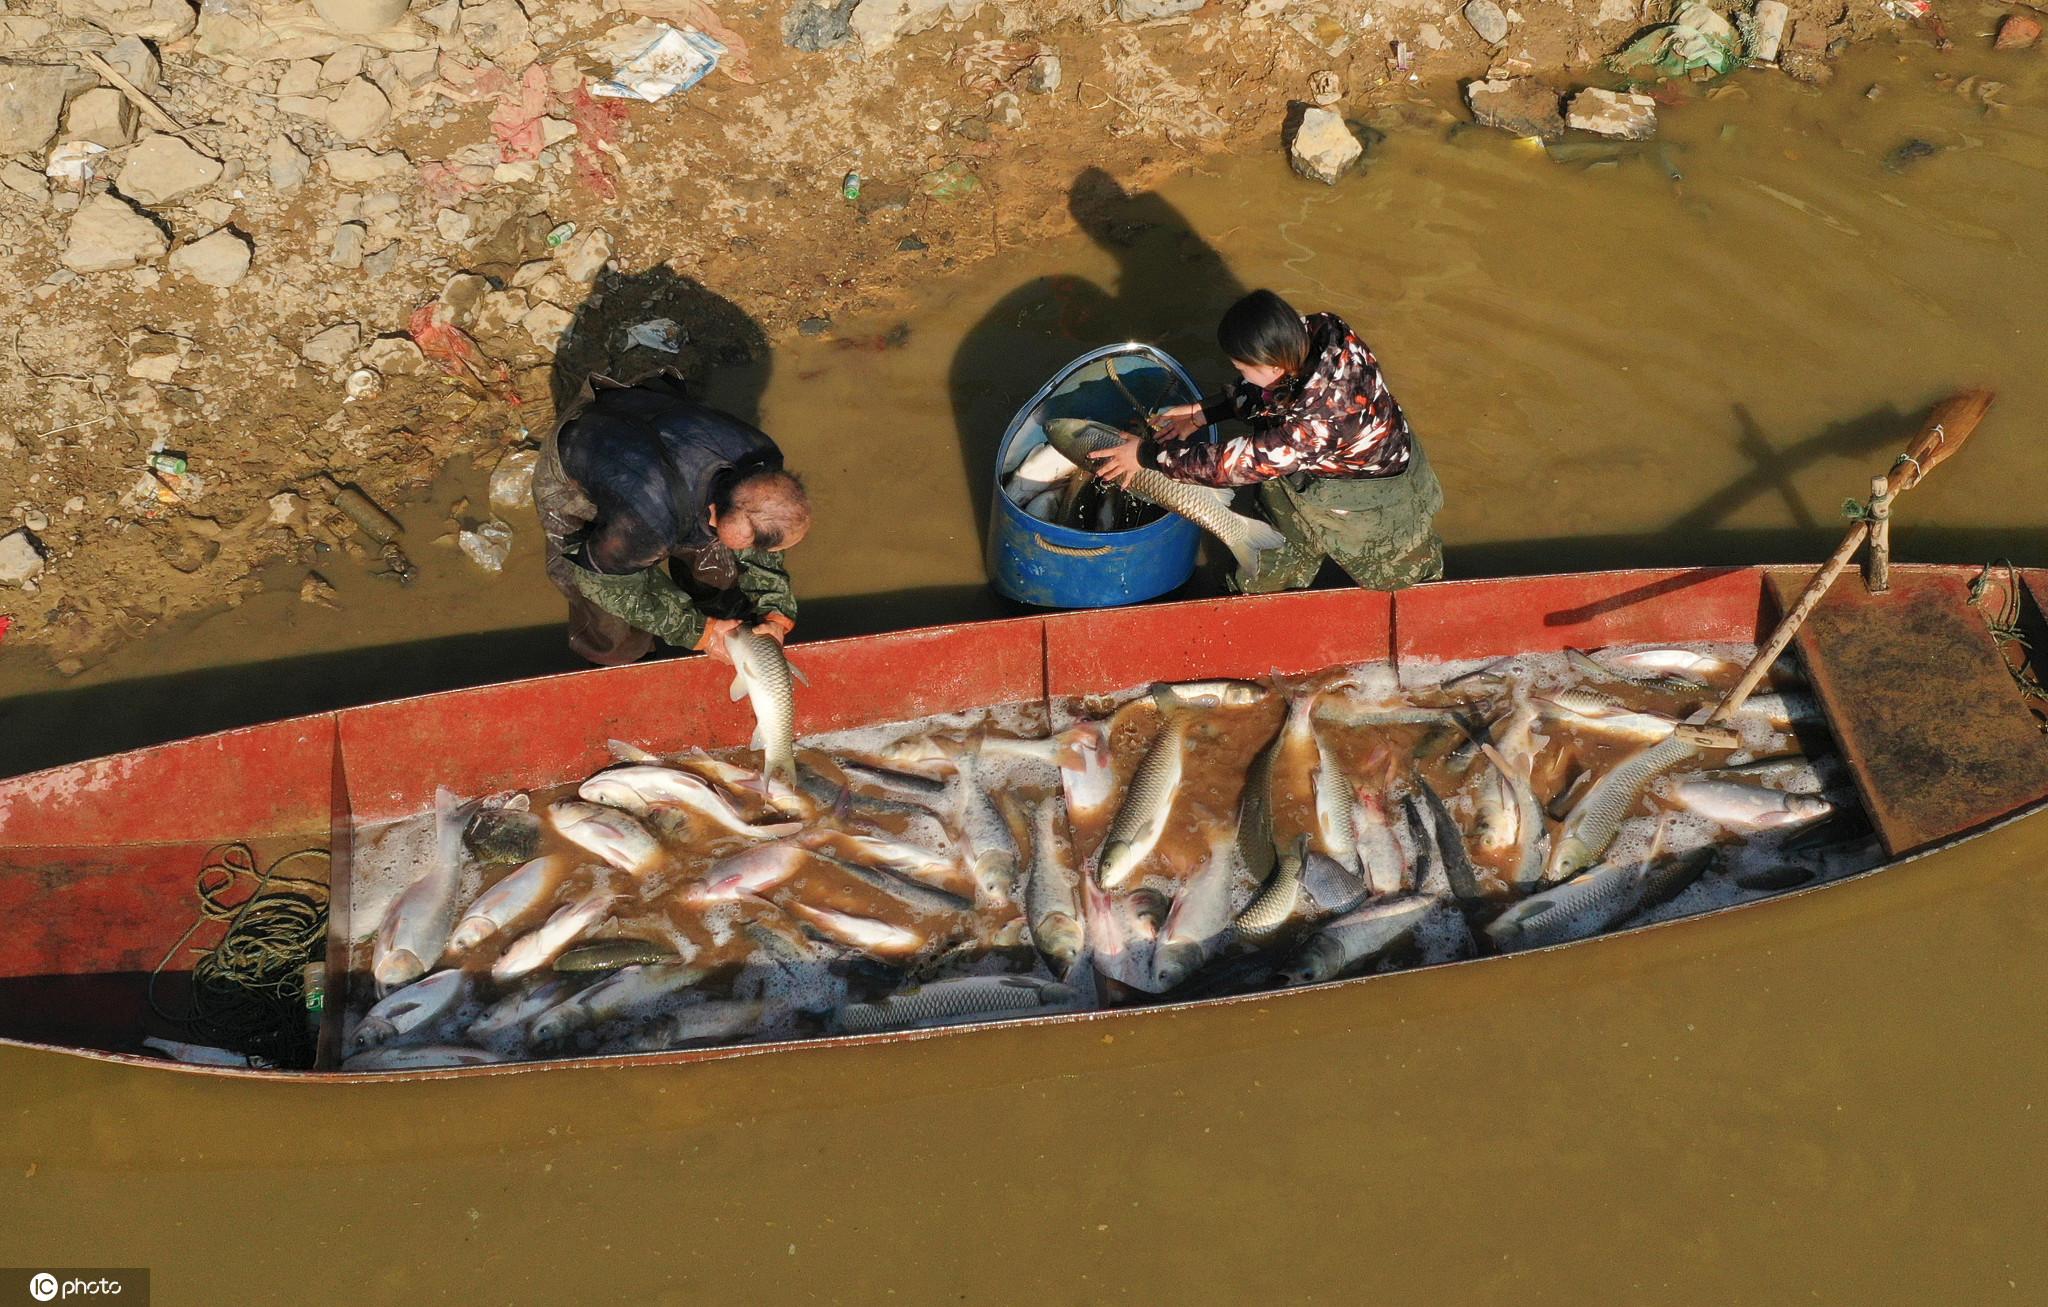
(1172, 842)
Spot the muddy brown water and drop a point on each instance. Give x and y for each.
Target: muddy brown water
(1834, 1098)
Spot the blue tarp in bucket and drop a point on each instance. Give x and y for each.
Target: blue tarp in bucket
(1054, 566)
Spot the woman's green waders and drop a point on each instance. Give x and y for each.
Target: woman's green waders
(1380, 530)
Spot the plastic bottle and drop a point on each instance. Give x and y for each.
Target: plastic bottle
(849, 186)
(377, 524)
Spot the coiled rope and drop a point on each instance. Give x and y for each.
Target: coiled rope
(248, 989)
(2005, 626)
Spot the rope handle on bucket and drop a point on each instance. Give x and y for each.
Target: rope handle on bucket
(1068, 551)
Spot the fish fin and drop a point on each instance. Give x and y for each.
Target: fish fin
(1261, 534)
(738, 690)
(798, 673)
(621, 751)
(759, 739)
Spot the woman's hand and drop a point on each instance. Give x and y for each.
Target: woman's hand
(775, 626)
(713, 640)
(1119, 464)
(1178, 423)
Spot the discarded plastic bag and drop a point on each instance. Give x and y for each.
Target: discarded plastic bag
(1697, 37)
(652, 61)
(661, 334)
(488, 546)
(512, 479)
(950, 184)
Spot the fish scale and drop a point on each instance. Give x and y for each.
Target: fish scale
(762, 675)
(1273, 905)
(1582, 906)
(1142, 816)
(1052, 892)
(951, 1000)
(1593, 825)
(1205, 506)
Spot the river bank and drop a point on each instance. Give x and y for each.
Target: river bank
(225, 315)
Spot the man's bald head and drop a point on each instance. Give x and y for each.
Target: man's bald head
(764, 510)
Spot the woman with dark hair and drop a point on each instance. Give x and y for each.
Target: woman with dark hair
(1337, 468)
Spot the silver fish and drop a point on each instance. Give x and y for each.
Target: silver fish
(515, 1011)
(1206, 507)
(1087, 764)
(866, 933)
(1052, 892)
(1171, 696)
(533, 951)
(1585, 905)
(409, 1009)
(780, 794)
(1594, 711)
(1037, 472)
(754, 872)
(505, 902)
(1446, 843)
(614, 954)
(905, 859)
(1255, 813)
(1669, 662)
(1198, 922)
(1749, 807)
(625, 993)
(414, 932)
(1783, 709)
(763, 675)
(1147, 804)
(639, 787)
(1330, 886)
(1273, 906)
(1380, 857)
(903, 888)
(1357, 939)
(1597, 819)
(1527, 821)
(420, 1057)
(946, 1001)
(608, 833)
(713, 1021)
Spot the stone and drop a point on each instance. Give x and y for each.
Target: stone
(1521, 105)
(156, 355)
(359, 112)
(32, 103)
(882, 23)
(816, 25)
(363, 16)
(287, 167)
(395, 356)
(1044, 75)
(318, 591)
(553, 131)
(583, 256)
(454, 225)
(1767, 30)
(813, 326)
(156, 20)
(1264, 8)
(107, 234)
(416, 67)
(442, 17)
(332, 347)
(381, 262)
(361, 166)
(344, 65)
(547, 324)
(349, 238)
(103, 116)
(1138, 11)
(531, 271)
(1613, 113)
(501, 311)
(1487, 20)
(1431, 37)
(2017, 32)
(21, 557)
(26, 181)
(1323, 148)
(461, 296)
(220, 258)
(496, 28)
(162, 168)
(134, 60)
(301, 77)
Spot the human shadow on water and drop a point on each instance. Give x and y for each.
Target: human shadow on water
(1169, 289)
(722, 352)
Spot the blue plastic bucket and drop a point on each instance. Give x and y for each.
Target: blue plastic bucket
(1054, 566)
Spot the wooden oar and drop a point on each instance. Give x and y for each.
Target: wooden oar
(1947, 428)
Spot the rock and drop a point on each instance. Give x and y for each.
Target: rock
(107, 234)
(496, 28)
(1325, 88)
(344, 65)
(2017, 32)
(882, 23)
(1264, 8)
(501, 311)
(32, 103)
(454, 225)
(360, 16)
(814, 326)
(301, 77)
(461, 296)
(395, 356)
(1044, 75)
(1613, 113)
(526, 274)
(102, 116)
(24, 180)
(553, 131)
(416, 67)
(331, 348)
(815, 25)
(1767, 30)
(912, 244)
(21, 557)
(1431, 37)
(359, 112)
(360, 166)
(347, 251)
(1521, 105)
(1323, 148)
(547, 324)
(316, 590)
(512, 479)
(288, 168)
(156, 355)
(163, 168)
(1487, 20)
(442, 17)
(381, 262)
(1138, 11)
(583, 256)
(134, 60)
(157, 20)
(219, 259)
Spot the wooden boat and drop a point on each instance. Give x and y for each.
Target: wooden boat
(98, 859)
